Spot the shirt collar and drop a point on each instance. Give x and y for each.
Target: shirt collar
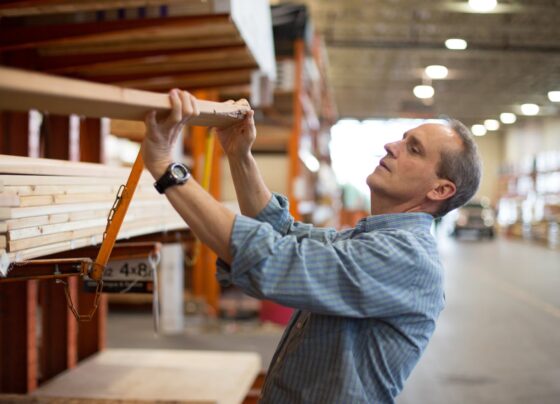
(414, 221)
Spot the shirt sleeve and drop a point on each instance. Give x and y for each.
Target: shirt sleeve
(372, 275)
(277, 214)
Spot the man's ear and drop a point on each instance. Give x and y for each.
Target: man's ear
(443, 189)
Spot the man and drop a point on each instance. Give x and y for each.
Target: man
(367, 298)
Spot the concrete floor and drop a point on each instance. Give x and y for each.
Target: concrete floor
(497, 341)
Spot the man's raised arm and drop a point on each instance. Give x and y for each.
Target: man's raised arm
(252, 193)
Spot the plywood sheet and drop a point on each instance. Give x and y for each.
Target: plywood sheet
(159, 375)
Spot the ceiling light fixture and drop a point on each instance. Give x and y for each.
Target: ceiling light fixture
(423, 91)
(554, 96)
(483, 6)
(478, 130)
(492, 124)
(436, 72)
(530, 109)
(508, 118)
(456, 44)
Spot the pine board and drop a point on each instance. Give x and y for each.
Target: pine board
(48, 249)
(41, 230)
(17, 213)
(24, 90)
(62, 180)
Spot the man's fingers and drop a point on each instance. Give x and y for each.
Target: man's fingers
(229, 102)
(150, 120)
(242, 101)
(176, 114)
(195, 110)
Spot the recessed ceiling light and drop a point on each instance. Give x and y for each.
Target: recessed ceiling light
(508, 117)
(554, 96)
(423, 91)
(530, 109)
(492, 124)
(478, 130)
(436, 72)
(456, 44)
(483, 6)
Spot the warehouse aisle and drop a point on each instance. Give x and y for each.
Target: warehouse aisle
(498, 339)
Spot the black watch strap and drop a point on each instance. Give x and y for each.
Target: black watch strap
(175, 174)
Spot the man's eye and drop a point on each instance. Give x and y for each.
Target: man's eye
(414, 149)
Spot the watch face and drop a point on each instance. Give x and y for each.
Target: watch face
(178, 171)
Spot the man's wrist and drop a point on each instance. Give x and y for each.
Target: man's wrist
(159, 168)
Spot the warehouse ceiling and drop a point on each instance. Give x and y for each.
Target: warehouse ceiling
(378, 50)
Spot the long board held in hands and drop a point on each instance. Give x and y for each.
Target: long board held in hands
(23, 90)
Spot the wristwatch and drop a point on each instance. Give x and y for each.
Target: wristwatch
(176, 174)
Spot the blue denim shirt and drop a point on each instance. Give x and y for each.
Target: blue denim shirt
(367, 300)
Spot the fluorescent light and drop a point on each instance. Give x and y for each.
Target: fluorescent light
(478, 130)
(508, 117)
(423, 91)
(436, 72)
(483, 6)
(554, 96)
(530, 109)
(492, 124)
(456, 44)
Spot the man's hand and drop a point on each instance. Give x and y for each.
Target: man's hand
(161, 134)
(237, 139)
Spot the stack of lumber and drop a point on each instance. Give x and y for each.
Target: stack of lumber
(49, 206)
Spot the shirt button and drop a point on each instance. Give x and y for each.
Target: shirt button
(299, 324)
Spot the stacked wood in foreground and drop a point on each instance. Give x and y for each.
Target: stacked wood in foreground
(48, 206)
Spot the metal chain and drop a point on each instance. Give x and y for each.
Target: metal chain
(72, 307)
(114, 208)
(99, 287)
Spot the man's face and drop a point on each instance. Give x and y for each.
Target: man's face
(407, 173)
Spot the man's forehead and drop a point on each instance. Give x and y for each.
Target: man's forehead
(435, 134)
(434, 129)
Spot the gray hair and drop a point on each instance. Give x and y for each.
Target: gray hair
(463, 168)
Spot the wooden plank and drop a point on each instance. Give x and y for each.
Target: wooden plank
(147, 44)
(17, 213)
(81, 232)
(136, 30)
(133, 130)
(56, 180)
(22, 90)
(41, 190)
(42, 230)
(166, 375)
(36, 221)
(193, 59)
(89, 241)
(194, 80)
(196, 60)
(39, 7)
(40, 166)
(9, 200)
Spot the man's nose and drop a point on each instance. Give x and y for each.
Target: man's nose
(392, 149)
